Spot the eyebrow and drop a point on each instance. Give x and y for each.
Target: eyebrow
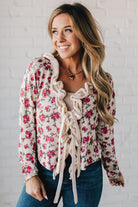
(64, 27)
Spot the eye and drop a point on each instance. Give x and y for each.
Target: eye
(68, 30)
(54, 32)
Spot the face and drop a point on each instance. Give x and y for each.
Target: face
(64, 39)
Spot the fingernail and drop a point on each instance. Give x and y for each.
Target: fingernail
(46, 197)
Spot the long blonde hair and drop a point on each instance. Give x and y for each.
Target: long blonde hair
(85, 28)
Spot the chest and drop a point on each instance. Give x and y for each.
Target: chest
(47, 109)
(72, 85)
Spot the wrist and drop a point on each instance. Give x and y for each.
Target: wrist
(26, 181)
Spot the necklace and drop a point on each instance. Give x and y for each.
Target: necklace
(72, 75)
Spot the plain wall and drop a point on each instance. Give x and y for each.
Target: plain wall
(23, 36)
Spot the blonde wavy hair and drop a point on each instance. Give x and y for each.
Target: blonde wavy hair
(87, 31)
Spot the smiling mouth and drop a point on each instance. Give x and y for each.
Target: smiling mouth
(63, 47)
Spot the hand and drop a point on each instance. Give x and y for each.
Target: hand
(117, 181)
(35, 188)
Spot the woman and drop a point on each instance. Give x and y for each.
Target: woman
(67, 109)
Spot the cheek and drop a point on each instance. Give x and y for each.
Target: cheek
(54, 42)
(77, 44)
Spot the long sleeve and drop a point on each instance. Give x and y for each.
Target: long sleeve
(27, 122)
(105, 136)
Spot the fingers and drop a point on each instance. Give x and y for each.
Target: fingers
(43, 191)
(36, 193)
(38, 196)
(35, 188)
(117, 182)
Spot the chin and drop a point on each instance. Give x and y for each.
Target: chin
(67, 56)
(63, 56)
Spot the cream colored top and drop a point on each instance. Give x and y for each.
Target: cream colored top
(69, 101)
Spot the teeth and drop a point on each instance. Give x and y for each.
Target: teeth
(63, 47)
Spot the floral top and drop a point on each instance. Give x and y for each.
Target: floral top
(48, 126)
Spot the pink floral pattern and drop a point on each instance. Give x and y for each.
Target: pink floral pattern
(40, 121)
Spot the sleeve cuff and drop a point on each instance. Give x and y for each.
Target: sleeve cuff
(29, 176)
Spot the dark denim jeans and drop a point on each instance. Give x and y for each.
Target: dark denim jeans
(89, 188)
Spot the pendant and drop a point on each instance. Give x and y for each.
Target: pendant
(72, 77)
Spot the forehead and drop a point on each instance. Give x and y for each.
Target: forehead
(62, 20)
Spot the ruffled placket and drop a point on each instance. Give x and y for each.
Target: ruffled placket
(69, 136)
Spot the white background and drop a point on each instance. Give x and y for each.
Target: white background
(23, 36)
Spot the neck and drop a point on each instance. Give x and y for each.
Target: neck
(73, 64)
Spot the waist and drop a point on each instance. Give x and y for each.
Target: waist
(68, 161)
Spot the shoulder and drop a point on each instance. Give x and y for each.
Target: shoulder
(41, 64)
(44, 60)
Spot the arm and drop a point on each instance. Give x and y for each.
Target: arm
(27, 139)
(105, 136)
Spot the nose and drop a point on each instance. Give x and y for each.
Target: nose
(60, 37)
